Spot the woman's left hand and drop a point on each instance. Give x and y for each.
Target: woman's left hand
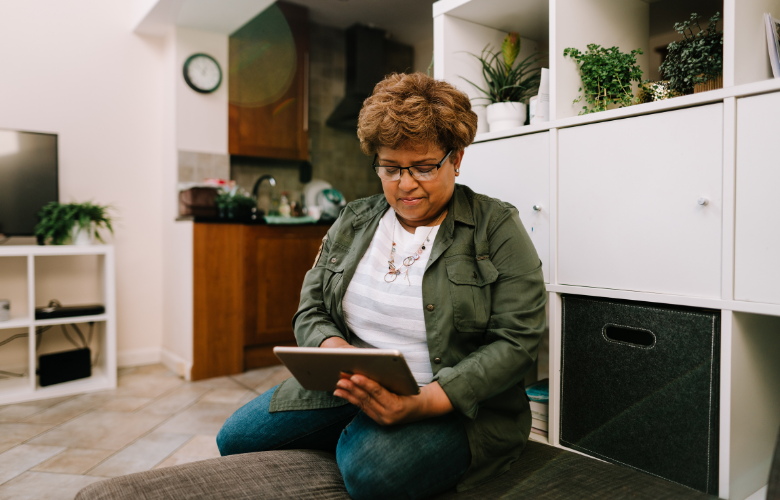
(387, 408)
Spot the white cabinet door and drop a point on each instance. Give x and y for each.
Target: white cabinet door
(629, 212)
(516, 170)
(757, 224)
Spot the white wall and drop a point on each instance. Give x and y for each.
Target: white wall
(192, 122)
(75, 68)
(201, 119)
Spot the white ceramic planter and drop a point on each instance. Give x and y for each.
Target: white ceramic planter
(482, 124)
(83, 236)
(504, 115)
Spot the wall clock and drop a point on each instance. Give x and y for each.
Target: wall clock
(202, 73)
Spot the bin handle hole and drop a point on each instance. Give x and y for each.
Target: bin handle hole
(629, 336)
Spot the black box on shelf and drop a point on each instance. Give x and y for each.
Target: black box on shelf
(60, 367)
(52, 312)
(640, 387)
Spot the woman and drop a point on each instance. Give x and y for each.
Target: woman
(448, 277)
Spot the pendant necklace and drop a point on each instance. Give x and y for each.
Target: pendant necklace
(392, 272)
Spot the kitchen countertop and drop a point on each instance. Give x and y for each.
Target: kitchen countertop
(257, 222)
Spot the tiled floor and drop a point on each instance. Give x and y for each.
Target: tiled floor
(51, 449)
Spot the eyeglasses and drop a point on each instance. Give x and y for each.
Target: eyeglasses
(419, 172)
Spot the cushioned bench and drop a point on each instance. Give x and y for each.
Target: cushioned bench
(542, 472)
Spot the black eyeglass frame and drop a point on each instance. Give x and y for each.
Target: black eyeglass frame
(401, 169)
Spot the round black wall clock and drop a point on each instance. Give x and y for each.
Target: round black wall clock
(202, 73)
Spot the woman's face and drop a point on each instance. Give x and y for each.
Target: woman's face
(419, 203)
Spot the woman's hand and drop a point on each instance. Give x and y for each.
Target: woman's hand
(386, 408)
(336, 342)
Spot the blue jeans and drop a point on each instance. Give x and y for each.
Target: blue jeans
(414, 460)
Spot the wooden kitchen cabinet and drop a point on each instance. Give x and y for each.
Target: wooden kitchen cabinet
(276, 261)
(268, 85)
(247, 283)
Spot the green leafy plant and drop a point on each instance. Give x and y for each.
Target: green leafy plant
(607, 76)
(505, 81)
(57, 221)
(233, 203)
(697, 58)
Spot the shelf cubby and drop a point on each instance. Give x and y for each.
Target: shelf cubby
(14, 361)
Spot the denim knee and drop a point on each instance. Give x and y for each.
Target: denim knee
(229, 438)
(364, 483)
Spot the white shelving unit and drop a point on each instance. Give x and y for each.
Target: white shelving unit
(612, 197)
(104, 373)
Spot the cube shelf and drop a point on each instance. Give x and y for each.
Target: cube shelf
(668, 202)
(32, 275)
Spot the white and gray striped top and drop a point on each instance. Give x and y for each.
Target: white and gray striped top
(390, 315)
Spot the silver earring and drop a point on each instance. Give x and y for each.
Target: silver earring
(457, 170)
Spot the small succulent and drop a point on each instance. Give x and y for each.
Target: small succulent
(510, 48)
(506, 81)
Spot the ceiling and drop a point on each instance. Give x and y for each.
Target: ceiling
(408, 21)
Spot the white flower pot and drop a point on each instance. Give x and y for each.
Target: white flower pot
(482, 124)
(83, 236)
(504, 115)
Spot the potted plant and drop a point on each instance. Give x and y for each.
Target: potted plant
(607, 76)
(507, 85)
(234, 204)
(695, 63)
(77, 223)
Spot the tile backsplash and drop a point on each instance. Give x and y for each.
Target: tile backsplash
(196, 167)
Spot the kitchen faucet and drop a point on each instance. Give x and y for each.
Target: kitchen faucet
(270, 179)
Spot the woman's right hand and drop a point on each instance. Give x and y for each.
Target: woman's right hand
(336, 342)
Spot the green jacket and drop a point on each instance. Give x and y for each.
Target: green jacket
(484, 298)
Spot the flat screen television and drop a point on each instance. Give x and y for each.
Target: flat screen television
(28, 179)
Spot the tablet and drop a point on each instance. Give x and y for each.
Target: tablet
(319, 368)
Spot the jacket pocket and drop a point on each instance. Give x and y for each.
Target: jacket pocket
(334, 274)
(470, 281)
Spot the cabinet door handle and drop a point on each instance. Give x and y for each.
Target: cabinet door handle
(704, 201)
(538, 208)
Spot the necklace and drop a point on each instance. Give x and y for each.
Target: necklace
(392, 272)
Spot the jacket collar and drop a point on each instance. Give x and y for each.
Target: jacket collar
(461, 207)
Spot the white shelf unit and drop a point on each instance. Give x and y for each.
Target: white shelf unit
(617, 193)
(18, 278)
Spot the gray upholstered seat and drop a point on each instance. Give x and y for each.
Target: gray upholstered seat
(542, 473)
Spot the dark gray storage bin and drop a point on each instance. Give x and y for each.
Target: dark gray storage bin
(640, 387)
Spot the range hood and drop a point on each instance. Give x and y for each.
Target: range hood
(370, 56)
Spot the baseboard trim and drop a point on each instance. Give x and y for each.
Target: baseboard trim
(176, 364)
(138, 357)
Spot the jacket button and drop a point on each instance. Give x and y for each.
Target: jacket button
(430, 307)
(333, 260)
(474, 274)
(437, 361)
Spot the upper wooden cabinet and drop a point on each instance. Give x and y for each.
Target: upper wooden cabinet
(268, 85)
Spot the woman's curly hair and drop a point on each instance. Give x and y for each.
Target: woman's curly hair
(414, 110)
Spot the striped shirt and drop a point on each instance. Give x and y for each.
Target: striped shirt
(390, 315)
